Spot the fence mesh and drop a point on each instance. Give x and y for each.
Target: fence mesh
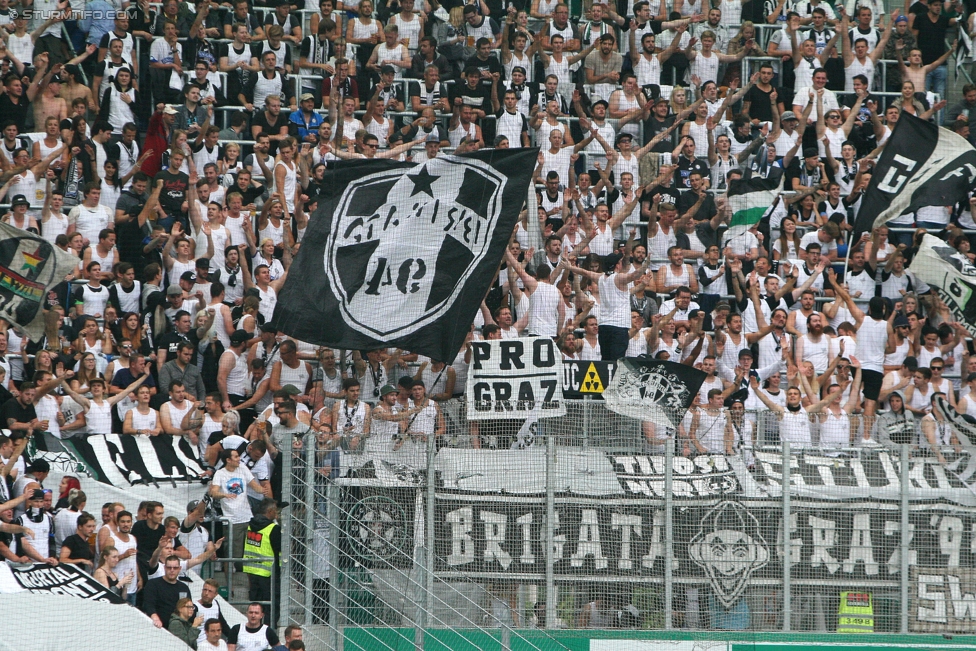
(594, 520)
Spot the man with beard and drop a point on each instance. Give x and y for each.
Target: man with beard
(796, 324)
(813, 346)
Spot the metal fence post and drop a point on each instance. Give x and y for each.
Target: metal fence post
(787, 547)
(551, 601)
(333, 494)
(429, 535)
(287, 491)
(668, 534)
(903, 544)
(311, 497)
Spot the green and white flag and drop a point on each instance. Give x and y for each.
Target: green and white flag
(749, 199)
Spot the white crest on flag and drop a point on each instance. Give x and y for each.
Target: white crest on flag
(430, 216)
(951, 275)
(649, 393)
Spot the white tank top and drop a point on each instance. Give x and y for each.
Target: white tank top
(47, 409)
(711, 431)
(425, 420)
(458, 132)
(835, 430)
(544, 311)
(602, 242)
(795, 428)
(699, 133)
(178, 269)
(705, 67)
(99, 418)
(872, 339)
(291, 178)
(590, 353)
(126, 564)
(105, 262)
(237, 379)
(295, 376)
(614, 303)
(524, 62)
(175, 413)
(27, 185)
(363, 30)
(901, 352)
(269, 298)
(625, 103)
(351, 418)
(275, 233)
(637, 345)
(381, 432)
(144, 421)
(682, 279)
(235, 225)
(209, 427)
(816, 352)
(408, 30)
(95, 300)
(380, 129)
(648, 70)
(57, 224)
(857, 68)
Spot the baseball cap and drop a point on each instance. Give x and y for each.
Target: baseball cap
(610, 261)
(900, 320)
(37, 494)
(203, 263)
(787, 115)
(624, 136)
(387, 390)
(174, 290)
(169, 109)
(188, 276)
(601, 101)
(811, 152)
(239, 337)
(291, 390)
(745, 352)
(193, 504)
(306, 96)
(901, 19)
(387, 70)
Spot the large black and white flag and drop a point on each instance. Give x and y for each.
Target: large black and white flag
(29, 267)
(922, 165)
(951, 275)
(401, 254)
(653, 390)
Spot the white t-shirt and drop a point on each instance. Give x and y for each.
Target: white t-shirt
(236, 509)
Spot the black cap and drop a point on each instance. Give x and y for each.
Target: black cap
(239, 337)
(610, 261)
(811, 152)
(20, 200)
(203, 263)
(38, 465)
(738, 396)
(745, 352)
(36, 494)
(188, 276)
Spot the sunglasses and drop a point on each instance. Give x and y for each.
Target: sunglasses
(936, 368)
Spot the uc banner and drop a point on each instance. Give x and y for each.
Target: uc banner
(586, 379)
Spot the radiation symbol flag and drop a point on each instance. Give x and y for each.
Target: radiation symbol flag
(591, 381)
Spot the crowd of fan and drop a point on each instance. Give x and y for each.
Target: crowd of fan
(185, 236)
(141, 557)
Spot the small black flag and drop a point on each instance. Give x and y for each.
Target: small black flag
(653, 390)
(400, 254)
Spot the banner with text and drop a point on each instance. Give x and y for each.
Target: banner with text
(512, 378)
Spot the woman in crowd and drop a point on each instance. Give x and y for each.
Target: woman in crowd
(105, 574)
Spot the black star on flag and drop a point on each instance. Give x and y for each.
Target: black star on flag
(422, 182)
(401, 254)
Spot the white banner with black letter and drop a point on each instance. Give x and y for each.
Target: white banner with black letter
(515, 378)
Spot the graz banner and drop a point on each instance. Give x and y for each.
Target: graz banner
(63, 579)
(727, 542)
(945, 600)
(509, 378)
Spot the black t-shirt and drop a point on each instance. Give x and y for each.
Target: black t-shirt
(478, 97)
(491, 65)
(261, 120)
(654, 126)
(236, 630)
(688, 199)
(78, 547)
(248, 195)
(931, 37)
(13, 410)
(15, 112)
(685, 167)
(173, 194)
(170, 341)
(759, 104)
(160, 597)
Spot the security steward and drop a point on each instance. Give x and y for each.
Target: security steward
(263, 541)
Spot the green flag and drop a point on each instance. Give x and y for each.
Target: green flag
(749, 199)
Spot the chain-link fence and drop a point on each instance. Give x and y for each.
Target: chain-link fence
(594, 520)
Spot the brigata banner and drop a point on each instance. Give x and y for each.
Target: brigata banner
(513, 378)
(63, 579)
(946, 600)
(498, 534)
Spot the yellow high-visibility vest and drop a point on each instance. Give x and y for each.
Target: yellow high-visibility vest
(257, 544)
(855, 613)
